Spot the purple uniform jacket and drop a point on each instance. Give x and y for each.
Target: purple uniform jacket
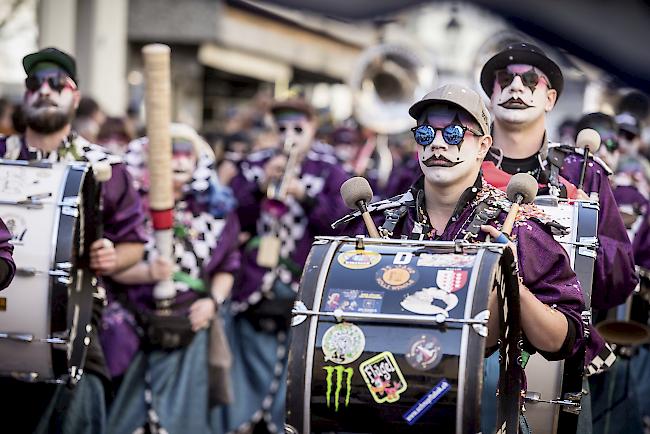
(629, 197)
(549, 275)
(296, 229)
(123, 215)
(6, 249)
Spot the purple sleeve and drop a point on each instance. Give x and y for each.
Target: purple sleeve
(546, 271)
(249, 198)
(327, 206)
(614, 248)
(642, 243)
(226, 257)
(123, 211)
(6, 250)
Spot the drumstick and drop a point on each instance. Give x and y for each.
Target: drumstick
(158, 114)
(522, 188)
(356, 194)
(589, 140)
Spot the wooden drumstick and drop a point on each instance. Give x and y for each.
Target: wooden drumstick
(522, 188)
(589, 140)
(158, 114)
(356, 194)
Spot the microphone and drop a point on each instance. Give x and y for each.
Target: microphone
(522, 188)
(589, 140)
(356, 193)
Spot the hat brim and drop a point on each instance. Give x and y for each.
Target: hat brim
(510, 57)
(419, 107)
(294, 106)
(31, 60)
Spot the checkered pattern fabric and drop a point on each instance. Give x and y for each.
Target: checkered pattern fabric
(602, 362)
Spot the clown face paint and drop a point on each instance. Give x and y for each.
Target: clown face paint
(444, 164)
(296, 128)
(183, 166)
(519, 102)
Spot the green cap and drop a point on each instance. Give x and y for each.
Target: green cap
(54, 56)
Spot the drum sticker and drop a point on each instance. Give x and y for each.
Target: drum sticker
(383, 377)
(17, 226)
(451, 280)
(430, 301)
(359, 259)
(397, 277)
(426, 402)
(424, 352)
(445, 260)
(343, 343)
(337, 383)
(354, 300)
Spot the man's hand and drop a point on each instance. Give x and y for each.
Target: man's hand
(201, 313)
(274, 168)
(160, 269)
(296, 189)
(103, 257)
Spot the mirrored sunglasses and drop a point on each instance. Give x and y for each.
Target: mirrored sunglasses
(529, 78)
(56, 82)
(452, 134)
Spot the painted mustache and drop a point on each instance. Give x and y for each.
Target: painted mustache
(439, 161)
(515, 103)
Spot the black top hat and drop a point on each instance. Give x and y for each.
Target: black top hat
(51, 55)
(525, 54)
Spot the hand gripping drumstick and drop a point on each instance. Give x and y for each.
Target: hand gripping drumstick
(522, 188)
(158, 113)
(356, 194)
(589, 140)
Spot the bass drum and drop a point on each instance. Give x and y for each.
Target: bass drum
(562, 380)
(389, 337)
(50, 209)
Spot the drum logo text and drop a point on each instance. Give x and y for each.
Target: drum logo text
(383, 377)
(339, 371)
(397, 277)
(359, 259)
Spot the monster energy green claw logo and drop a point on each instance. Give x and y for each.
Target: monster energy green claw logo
(339, 370)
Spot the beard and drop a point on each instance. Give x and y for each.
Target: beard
(47, 119)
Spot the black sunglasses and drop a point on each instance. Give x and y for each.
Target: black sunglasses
(56, 82)
(296, 129)
(529, 78)
(627, 135)
(452, 134)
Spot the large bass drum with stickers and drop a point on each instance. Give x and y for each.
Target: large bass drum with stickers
(52, 212)
(389, 337)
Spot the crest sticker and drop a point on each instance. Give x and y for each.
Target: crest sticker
(343, 343)
(383, 377)
(397, 277)
(451, 280)
(445, 260)
(359, 259)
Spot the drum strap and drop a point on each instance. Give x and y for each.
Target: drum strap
(393, 216)
(484, 213)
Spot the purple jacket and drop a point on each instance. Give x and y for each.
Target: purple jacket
(6, 249)
(322, 176)
(549, 276)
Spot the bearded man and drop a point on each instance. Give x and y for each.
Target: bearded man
(49, 104)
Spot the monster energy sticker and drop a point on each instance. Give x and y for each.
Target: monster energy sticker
(343, 343)
(383, 377)
(338, 372)
(359, 259)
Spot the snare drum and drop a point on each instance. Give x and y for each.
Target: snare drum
(389, 337)
(561, 381)
(44, 325)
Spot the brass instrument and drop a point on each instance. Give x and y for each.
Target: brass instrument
(278, 191)
(385, 82)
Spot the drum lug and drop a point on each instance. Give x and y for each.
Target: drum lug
(71, 201)
(64, 265)
(359, 245)
(70, 211)
(21, 337)
(298, 319)
(481, 328)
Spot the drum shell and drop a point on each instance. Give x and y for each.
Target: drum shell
(50, 299)
(461, 365)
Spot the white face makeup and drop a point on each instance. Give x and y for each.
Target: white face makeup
(183, 166)
(444, 164)
(521, 101)
(298, 128)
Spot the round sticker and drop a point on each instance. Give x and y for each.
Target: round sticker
(359, 259)
(397, 277)
(343, 343)
(424, 352)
